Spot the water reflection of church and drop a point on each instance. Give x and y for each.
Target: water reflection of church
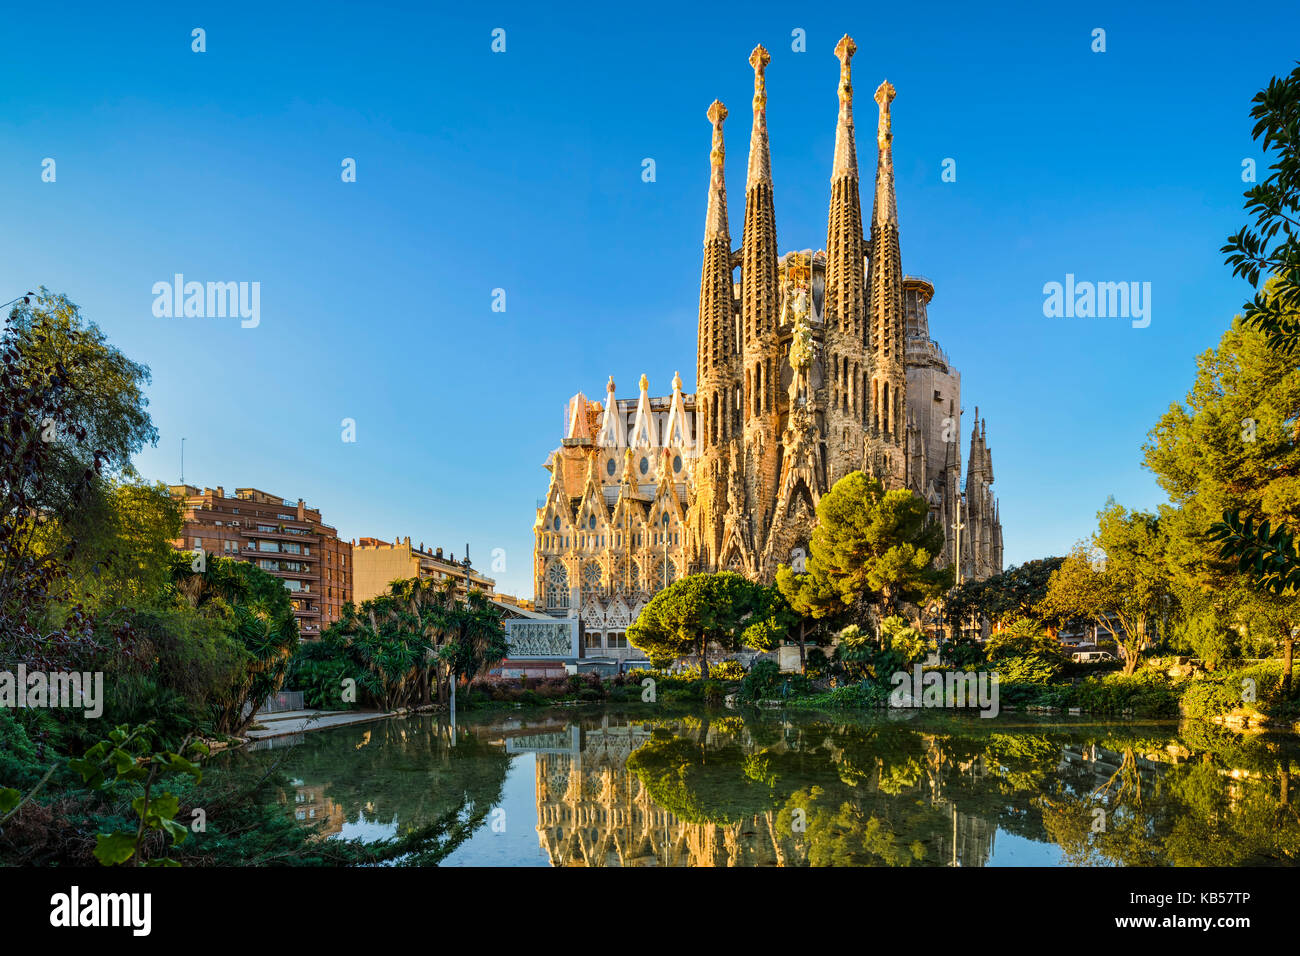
(592, 811)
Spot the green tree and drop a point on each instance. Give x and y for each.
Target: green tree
(125, 530)
(102, 392)
(1268, 559)
(1023, 650)
(256, 613)
(1014, 593)
(699, 612)
(1272, 247)
(1235, 450)
(478, 641)
(399, 646)
(808, 598)
(875, 546)
(1121, 581)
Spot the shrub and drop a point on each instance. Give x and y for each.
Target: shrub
(763, 681)
(1146, 693)
(1227, 691)
(730, 670)
(816, 663)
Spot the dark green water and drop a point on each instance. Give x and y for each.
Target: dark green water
(608, 787)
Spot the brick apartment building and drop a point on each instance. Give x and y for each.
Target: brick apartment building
(284, 538)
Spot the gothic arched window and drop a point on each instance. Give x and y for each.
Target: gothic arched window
(591, 588)
(557, 587)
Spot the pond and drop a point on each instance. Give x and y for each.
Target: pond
(656, 787)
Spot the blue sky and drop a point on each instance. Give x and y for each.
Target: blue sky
(522, 171)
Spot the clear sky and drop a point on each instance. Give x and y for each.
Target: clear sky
(522, 171)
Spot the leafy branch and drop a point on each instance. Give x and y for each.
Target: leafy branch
(125, 757)
(1265, 554)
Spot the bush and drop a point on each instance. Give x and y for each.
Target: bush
(21, 763)
(1030, 669)
(730, 670)
(1225, 692)
(862, 694)
(762, 682)
(1146, 693)
(815, 663)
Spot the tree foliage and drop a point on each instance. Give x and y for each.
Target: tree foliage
(1120, 581)
(703, 612)
(875, 546)
(1014, 593)
(403, 647)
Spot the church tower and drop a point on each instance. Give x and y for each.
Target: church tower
(889, 374)
(759, 308)
(717, 395)
(846, 361)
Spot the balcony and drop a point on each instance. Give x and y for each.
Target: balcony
(299, 535)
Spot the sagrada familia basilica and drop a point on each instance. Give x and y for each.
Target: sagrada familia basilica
(810, 365)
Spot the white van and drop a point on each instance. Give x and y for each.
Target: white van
(1087, 657)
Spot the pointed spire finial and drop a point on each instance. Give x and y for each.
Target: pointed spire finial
(677, 382)
(759, 60)
(610, 386)
(846, 155)
(717, 115)
(760, 156)
(885, 94)
(645, 382)
(844, 50)
(715, 222)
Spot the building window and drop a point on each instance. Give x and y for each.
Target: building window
(593, 640)
(590, 582)
(645, 465)
(557, 587)
(617, 639)
(609, 467)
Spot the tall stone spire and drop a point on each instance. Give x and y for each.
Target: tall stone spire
(885, 286)
(716, 333)
(845, 298)
(715, 223)
(758, 276)
(760, 156)
(717, 412)
(760, 305)
(886, 207)
(845, 359)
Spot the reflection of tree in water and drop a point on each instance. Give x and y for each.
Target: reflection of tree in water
(888, 794)
(758, 789)
(1229, 804)
(398, 774)
(813, 793)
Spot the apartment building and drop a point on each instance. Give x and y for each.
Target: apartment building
(284, 538)
(377, 563)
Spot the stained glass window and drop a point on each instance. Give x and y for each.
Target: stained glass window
(557, 586)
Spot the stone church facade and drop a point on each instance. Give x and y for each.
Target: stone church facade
(810, 365)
